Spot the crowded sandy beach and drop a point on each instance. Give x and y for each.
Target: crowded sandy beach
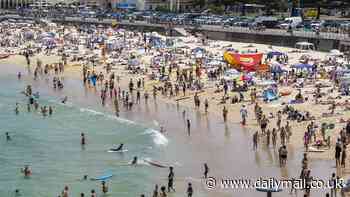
(227, 109)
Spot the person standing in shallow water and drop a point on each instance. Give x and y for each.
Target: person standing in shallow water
(104, 187)
(206, 170)
(255, 140)
(82, 141)
(171, 177)
(8, 138)
(224, 113)
(17, 109)
(188, 127)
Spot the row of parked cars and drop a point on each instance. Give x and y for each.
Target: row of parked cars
(238, 21)
(208, 19)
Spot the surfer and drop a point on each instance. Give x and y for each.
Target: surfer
(171, 179)
(104, 187)
(134, 161)
(120, 148)
(26, 171)
(8, 137)
(64, 100)
(19, 75)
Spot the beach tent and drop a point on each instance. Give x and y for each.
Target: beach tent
(302, 66)
(245, 62)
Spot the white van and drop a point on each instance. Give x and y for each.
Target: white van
(291, 22)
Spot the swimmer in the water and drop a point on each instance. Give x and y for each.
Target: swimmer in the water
(120, 148)
(65, 100)
(85, 178)
(50, 110)
(134, 161)
(8, 138)
(17, 193)
(26, 171)
(17, 109)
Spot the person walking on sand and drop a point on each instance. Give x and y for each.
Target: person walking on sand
(224, 113)
(255, 140)
(244, 114)
(171, 177)
(188, 127)
(337, 153)
(343, 156)
(206, 105)
(206, 170)
(274, 137)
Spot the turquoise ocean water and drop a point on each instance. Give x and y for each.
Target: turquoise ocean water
(51, 146)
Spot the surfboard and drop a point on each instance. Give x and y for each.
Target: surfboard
(119, 151)
(102, 178)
